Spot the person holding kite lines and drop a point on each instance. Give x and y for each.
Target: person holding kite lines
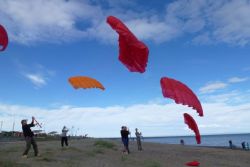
(138, 139)
(29, 137)
(125, 140)
(64, 138)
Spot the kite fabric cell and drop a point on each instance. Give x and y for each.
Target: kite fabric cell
(132, 52)
(189, 120)
(193, 163)
(85, 82)
(3, 38)
(180, 93)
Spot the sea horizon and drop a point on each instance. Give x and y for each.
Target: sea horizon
(222, 134)
(211, 140)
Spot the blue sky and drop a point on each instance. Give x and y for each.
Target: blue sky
(202, 43)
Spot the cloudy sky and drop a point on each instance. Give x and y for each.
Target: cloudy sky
(202, 43)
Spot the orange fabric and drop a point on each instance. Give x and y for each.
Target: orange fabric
(85, 82)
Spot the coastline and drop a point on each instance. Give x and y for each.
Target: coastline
(85, 152)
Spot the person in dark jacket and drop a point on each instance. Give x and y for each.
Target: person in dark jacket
(125, 140)
(64, 138)
(29, 137)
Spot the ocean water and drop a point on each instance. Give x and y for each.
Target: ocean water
(206, 140)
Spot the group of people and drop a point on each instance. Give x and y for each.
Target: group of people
(29, 137)
(245, 145)
(125, 139)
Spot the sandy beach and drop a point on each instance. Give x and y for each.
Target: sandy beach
(108, 153)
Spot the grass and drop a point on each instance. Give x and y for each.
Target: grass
(104, 144)
(73, 149)
(95, 151)
(98, 151)
(71, 163)
(124, 158)
(9, 163)
(100, 145)
(11, 150)
(47, 159)
(151, 163)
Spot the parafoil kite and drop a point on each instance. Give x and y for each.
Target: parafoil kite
(132, 52)
(189, 120)
(85, 82)
(3, 38)
(193, 163)
(180, 93)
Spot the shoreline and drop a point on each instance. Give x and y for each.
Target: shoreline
(16, 139)
(108, 153)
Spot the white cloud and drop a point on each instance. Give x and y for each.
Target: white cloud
(145, 28)
(237, 79)
(36, 79)
(208, 21)
(223, 98)
(116, 3)
(151, 119)
(152, 29)
(96, 120)
(186, 15)
(43, 20)
(36, 74)
(232, 27)
(216, 18)
(228, 118)
(204, 38)
(231, 98)
(212, 87)
(209, 126)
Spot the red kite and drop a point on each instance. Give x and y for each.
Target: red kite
(3, 38)
(180, 93)
(193, 163)
(189, 120)
(132, 52)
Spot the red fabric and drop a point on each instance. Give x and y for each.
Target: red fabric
(189, 120)
(3, 38)
(193, 163)
(180, 93)
(132, 52)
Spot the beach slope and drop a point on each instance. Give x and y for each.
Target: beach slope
(108, 153)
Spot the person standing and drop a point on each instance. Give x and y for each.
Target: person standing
(182, 142)
(243, 144)
(231, 146)
(64, 138)
(125, 140)
(29, 137)
(138, 139)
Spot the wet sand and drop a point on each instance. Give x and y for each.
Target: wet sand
(87, 153)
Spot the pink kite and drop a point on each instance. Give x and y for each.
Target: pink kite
(132, 52)
(193, 163)
(189, 120)
(180, 93)
(3, 38)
